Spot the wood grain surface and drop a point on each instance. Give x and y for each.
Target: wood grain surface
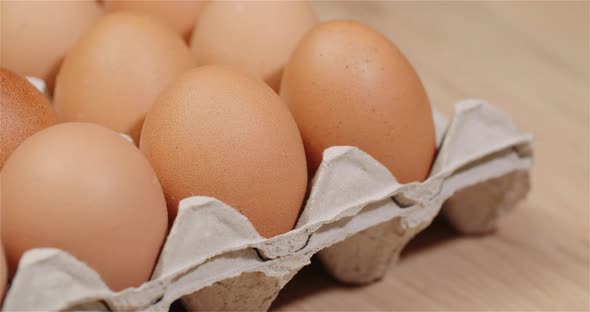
(530, 59)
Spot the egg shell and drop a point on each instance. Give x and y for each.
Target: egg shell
(3, 273)
(181, 16)
(346, 84)
(83, 188)
(36, 35)
(116, 71)
(256, 37)
(220, 133)
(23, 111)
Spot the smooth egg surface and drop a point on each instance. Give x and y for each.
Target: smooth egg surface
(3, 273)
(117, 69)
(84, 189)
(216, 132)
(255, 37)
(36, 35)
(179, 15)
(346, 84)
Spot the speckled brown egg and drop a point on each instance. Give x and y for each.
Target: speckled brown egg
(23, 111)
(180, 15)
(220, 133)
(84, 189)
(116, 71)
(256, 37)
(36, 35)
(346, 84)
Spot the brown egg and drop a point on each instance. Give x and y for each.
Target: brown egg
(3, 274)
(83, 188)
(36, 35)
(116, 71)
(218, 133)
(346, 84)
(180, 15)
(256, 37)
(23, 111)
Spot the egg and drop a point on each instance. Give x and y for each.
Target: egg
(216, 132)
(3, 274)
(346, 84)
(23, 111)
(36, 35)
(180, 15)
(256, 37)
(117, 69)
(84, 189)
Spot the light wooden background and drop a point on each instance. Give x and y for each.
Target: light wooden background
(531, 59)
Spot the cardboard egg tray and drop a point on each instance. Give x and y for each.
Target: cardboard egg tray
(357, 219)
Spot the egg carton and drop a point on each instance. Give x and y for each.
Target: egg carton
(357, 219)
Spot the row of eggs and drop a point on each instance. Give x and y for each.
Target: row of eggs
(249, 129)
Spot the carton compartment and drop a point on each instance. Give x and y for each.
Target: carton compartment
(366, 256)
(251, 291)
(479, 208)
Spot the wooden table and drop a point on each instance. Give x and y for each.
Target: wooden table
(530, 59)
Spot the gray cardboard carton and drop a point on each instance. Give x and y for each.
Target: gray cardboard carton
(357, 218)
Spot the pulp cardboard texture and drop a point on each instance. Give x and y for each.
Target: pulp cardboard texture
(357, 218)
